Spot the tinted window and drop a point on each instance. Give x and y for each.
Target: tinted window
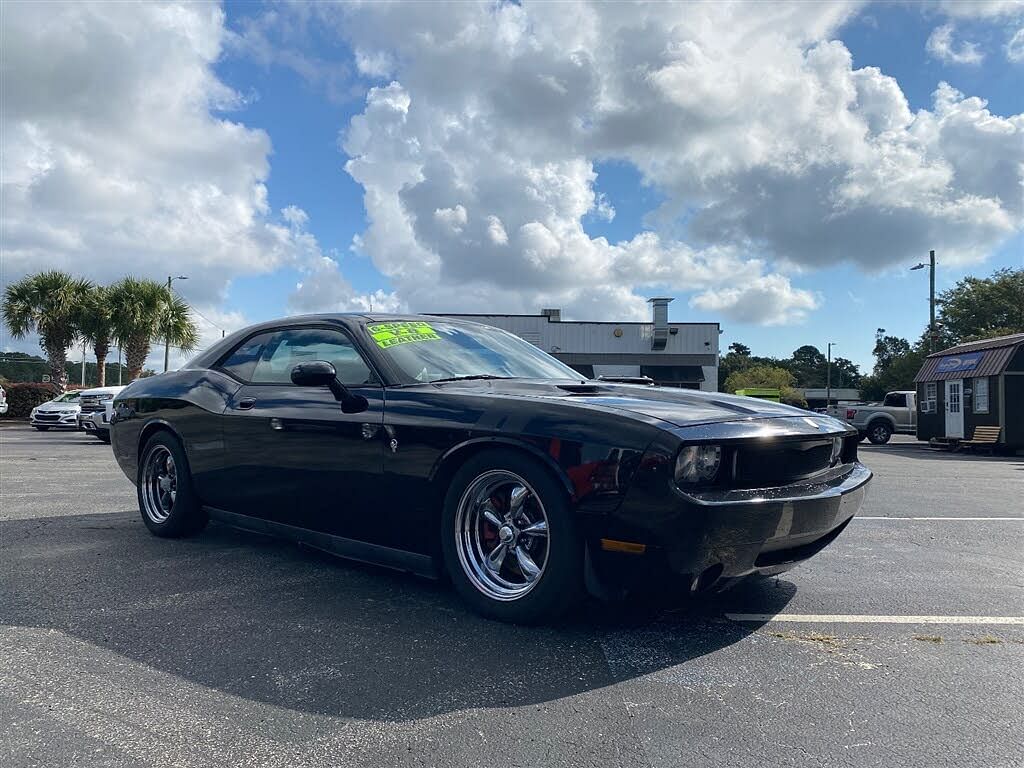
(895, 400)
(289, 348)
(242, 361)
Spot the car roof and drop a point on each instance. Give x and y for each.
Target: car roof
(349, 320)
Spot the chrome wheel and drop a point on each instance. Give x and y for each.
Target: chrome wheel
(159, 484)
(501, 531)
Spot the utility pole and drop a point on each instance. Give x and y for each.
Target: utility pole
(83, 363)
(828, 377)
(931, 297)
(931, 301)
(167, 339)
(119, 365)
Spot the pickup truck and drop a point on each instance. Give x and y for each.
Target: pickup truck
(878, 421)
(94, 415)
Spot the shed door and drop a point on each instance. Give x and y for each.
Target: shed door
(954, 408)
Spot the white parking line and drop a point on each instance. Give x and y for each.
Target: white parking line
(822, 618)
(868, 517)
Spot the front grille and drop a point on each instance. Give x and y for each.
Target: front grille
(48, 417)
(773, 464)
(91, 404)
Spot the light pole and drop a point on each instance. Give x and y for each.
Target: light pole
(828, 377)
(931, 297)
(167, 339)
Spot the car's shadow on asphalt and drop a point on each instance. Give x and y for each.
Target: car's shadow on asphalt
(268, 621)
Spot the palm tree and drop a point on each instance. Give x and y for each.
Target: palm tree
(143, 312)
(48, 304)
(96, 326)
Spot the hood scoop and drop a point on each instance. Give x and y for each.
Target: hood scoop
(582, 389)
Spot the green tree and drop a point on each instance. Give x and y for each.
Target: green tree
(808, 365)
(96, 326)
(47, 303)
(845, 373)
(979, 308)
(760, 376)
(767, 376)
(144, 312)
(887, 350)
(740, 350)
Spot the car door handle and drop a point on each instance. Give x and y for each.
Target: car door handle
(246, 403)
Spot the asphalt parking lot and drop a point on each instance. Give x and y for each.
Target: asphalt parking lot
(119, 649)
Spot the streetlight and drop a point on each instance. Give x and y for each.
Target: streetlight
(167, 339)
(828, 377)
(931, 297)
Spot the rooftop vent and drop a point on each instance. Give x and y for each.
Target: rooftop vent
(553, 315)
(659, 337)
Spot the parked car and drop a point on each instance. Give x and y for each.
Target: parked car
(3, 402)
(424, 444)
(93, 408)
(59, 413)
(877, 422)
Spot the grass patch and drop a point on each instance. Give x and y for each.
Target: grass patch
(928, 638)
(984, 640)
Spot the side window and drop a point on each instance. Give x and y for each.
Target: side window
(289, 348)
(242, 361)
(928, 405)
(981, 395)
(895, 400)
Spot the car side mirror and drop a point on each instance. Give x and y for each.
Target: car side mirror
(320, 373)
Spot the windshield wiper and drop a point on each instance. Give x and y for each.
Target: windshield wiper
(470, 378)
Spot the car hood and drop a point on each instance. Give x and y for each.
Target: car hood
(680, 407)
(51, 406)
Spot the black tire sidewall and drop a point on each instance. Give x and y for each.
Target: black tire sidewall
(561, 583)
(41, 429)
(187, 516)
(871, 434)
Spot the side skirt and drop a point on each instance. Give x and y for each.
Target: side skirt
(350, 549)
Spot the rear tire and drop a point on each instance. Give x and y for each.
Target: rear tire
(168, 502)
(879, 433)
(509, 539)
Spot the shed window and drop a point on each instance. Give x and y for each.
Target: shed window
(928, 404)
(981, 395)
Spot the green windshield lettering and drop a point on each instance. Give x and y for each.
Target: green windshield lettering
(391, 334)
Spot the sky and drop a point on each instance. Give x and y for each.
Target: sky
(777, 167)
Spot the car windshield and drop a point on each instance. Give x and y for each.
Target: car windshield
(68, 397)
(434, 350)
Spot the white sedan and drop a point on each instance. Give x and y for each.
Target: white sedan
(60, 413)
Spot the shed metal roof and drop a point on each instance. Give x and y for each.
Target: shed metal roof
(995, 355)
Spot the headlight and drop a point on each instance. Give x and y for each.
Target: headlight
(837, 451)
(698, 464)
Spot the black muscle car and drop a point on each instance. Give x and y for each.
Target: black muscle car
(429, 444)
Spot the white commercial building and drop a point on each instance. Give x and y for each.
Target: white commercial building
(673, 354)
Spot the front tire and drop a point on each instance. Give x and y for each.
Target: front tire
(168, 502)
(41, 429)
(879, 433)
(509, 540)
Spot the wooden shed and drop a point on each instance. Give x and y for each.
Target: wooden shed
(979, 384)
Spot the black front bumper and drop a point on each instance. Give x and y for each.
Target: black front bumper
(712, 539)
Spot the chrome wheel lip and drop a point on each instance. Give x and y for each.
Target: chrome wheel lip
(514, 538)
(159, 484)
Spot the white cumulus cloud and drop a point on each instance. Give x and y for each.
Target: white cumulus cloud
(941, 46)
(768, 146)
